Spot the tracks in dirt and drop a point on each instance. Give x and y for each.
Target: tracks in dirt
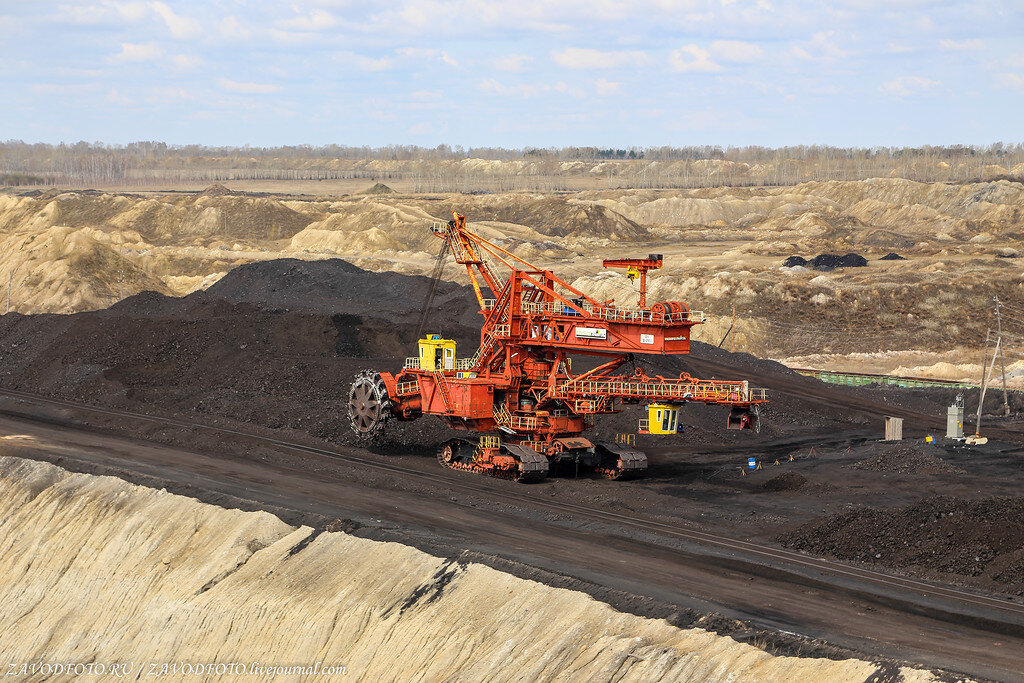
(779, 558)
(615, 556)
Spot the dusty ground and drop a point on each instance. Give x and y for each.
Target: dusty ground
(271, 348)
(926, 315)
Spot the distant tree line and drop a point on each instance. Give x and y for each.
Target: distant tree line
(445, 168)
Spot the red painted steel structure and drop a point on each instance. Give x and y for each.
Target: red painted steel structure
(520, 381)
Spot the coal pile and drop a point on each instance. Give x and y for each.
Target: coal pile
(893, 256)
(939, 535)
(827, 261)
(908, 459)
(218, 190)
(378, 188)
(334, 286)
(787, 481)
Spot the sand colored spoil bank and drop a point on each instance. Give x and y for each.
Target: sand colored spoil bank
(93, 569)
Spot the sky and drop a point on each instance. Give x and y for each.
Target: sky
(514, 73)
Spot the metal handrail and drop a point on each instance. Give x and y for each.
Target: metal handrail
(709, 391)
(405, 388)
(613, 313)
(413, 363)
(516, 422)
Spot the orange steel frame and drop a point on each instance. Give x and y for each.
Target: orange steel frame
(520, 381)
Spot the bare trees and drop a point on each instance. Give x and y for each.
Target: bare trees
(455, 169)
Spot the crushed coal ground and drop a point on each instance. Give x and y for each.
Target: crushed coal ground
(908, 459)
(787, 481)
(274, 346)
(893, 256)
(277, 343)
(951, 535)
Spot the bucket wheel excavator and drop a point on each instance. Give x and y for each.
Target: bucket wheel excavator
(518, 392)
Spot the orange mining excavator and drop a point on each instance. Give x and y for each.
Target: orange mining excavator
(519, 390)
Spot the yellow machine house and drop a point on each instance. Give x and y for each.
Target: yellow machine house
(437, 353)
(662, 418)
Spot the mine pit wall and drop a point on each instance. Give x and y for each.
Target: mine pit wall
(94, 569)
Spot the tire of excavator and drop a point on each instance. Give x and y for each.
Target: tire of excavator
(619, 461)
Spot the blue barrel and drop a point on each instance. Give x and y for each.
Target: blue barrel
(752, 463)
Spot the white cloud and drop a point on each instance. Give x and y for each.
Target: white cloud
(421, 128)
(95, 14)
(585, 58)
(821, 47)
(492, 86)
(1009, 80)
(179, 26)
(128, 11)
(362, 62)
(426, 95)
(736, 51)
(427, 54)
(511, 63)
(163, 94)
(247, 88)
(905, 86)
(62, 88)
(136, 52)
(526, 90)
(232, 28)
(185, 62)
(316, 20)
(693, 59)
(974, 44)
(605, 87)
(371, 64)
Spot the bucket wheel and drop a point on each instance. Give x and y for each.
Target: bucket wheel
(369, 406)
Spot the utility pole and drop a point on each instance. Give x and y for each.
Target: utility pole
(981, 391)
(1002, 363)
(984, 386)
